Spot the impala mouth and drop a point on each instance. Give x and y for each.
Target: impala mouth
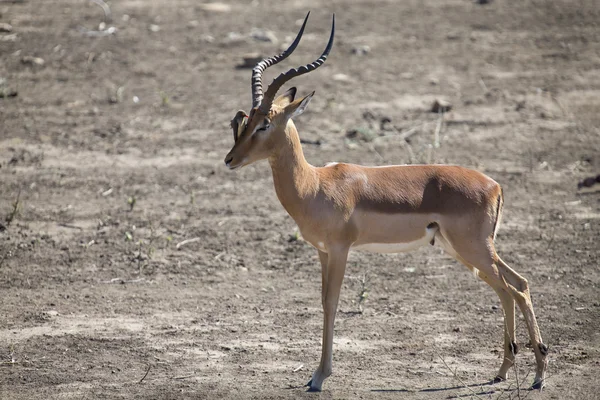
(229, 164)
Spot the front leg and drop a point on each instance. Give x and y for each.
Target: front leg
(333, 275)
(323, 257)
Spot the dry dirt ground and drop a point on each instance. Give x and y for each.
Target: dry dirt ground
(102, 298)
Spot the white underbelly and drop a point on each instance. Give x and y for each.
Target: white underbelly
(398, 247)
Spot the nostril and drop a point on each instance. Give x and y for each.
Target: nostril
(228, 159)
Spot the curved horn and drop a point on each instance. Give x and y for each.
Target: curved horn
(257, 71)
(269, 96)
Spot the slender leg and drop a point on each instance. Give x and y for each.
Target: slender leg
(481, 255)
(336, 266)
(510, 345)
(508, 306)
(323, 257)
(519, 289)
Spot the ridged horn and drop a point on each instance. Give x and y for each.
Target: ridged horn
(267, 101)
(257, 71)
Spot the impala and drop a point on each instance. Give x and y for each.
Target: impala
(342, 207)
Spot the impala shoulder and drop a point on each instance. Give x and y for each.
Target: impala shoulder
(333, 169)
(342, 173)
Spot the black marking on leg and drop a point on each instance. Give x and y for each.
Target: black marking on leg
(543, 349)
(309, 383)
(514, 348)
(498, 379)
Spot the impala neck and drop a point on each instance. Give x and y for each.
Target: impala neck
(295, 179)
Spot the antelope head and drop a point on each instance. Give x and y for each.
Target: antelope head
(262, 132)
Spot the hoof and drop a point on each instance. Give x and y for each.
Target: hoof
(538, 385)
(309, 383)
(312, 389)
(498, 379)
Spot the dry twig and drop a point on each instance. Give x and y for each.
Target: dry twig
(187, 241)
(123, 281)
(146, 374)
(15, 210)
(185, 376)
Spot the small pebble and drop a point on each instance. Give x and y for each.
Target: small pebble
(361, 50)
(33, 60)
(440, 105)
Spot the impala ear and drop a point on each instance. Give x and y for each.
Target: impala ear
(286, 98)
(238, 124)
(297, 107)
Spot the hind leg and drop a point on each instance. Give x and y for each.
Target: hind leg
(508, 306)
(479, 254)
(519, 289)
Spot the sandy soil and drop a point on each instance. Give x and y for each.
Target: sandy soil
(98, 301)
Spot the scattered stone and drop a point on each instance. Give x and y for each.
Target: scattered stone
(33, 60)
(154, 28)
(9, 38)
(361, 50)
(7, 92)
(51, 313)
(362, 134)
(207, 38)
(193, 24)
(385, 124)
(263, 35)
(215, 7)
(441, 105)
(249, 60)
(4, 27)
(341, 78)
(235, 37)
(434, 81)
(588, 182)
(457, 329)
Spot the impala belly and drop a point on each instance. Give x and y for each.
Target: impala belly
(397, 233)
(400, 247)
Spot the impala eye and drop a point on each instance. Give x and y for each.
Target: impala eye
(263, 128)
